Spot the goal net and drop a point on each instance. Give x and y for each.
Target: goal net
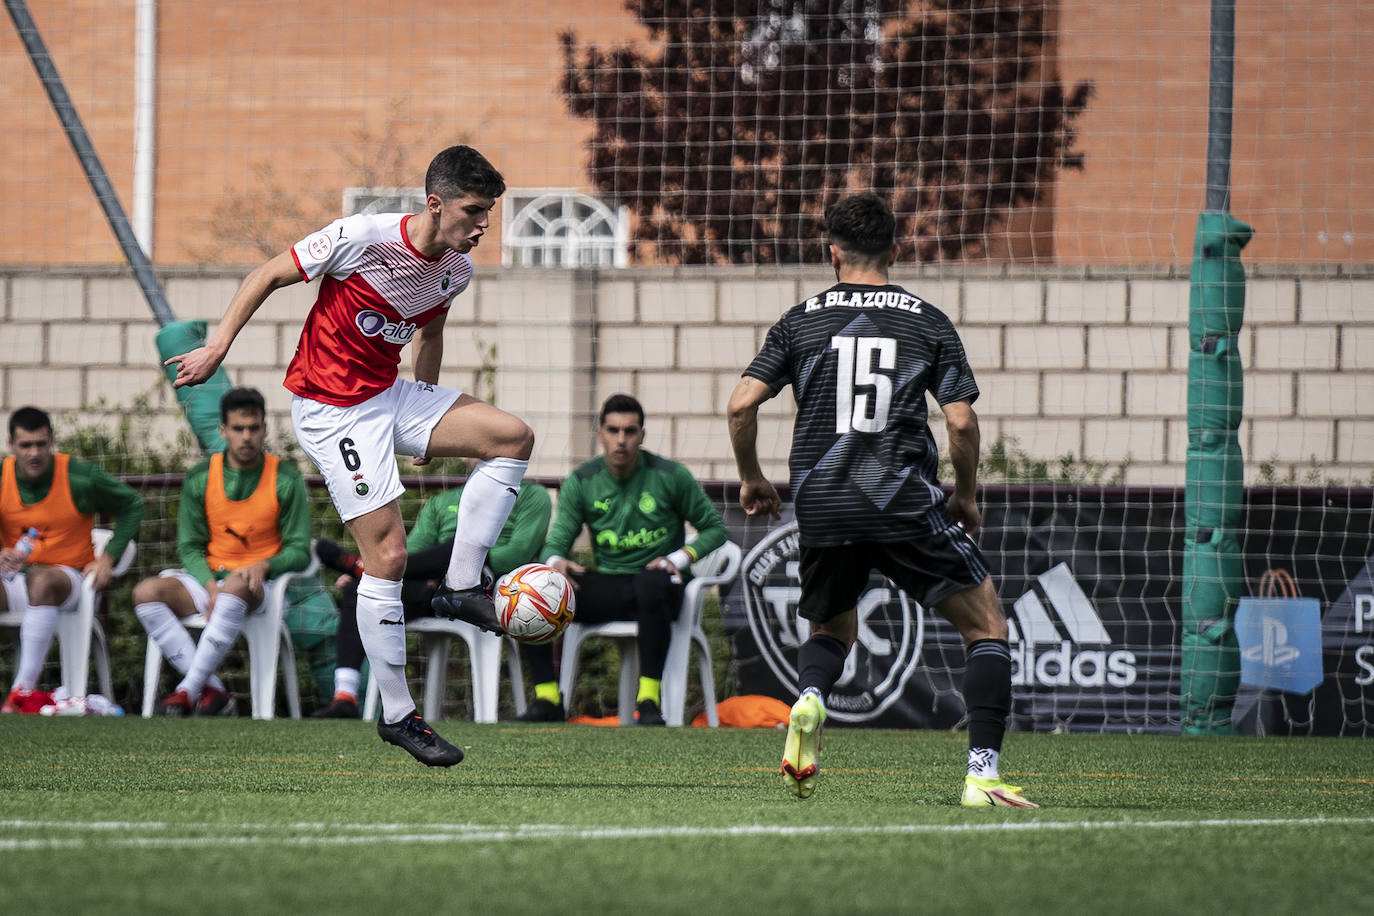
(668, 166)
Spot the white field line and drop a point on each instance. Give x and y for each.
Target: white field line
(154, 834)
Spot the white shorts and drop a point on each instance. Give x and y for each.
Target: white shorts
(17, 590)
(355, 447)
(200, 596)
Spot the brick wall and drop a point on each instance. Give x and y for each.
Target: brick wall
(1088, 365)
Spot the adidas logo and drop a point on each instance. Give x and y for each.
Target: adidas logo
(1068, 663)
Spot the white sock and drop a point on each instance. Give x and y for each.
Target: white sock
(226, 623)
(35, 637)
(982, 762)
(381, 624)
(168, 633)
(346, 681)
(488, 497)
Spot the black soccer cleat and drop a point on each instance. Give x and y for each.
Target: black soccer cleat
(473, 605)
(341, 707)
(542, 710)
(648, 713)
(420, 741)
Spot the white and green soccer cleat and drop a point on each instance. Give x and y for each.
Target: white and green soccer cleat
(802, 752)
(993, 793)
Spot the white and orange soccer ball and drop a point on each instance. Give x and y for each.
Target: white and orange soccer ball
(534, 603)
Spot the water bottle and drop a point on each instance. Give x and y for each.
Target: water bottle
(27, 542)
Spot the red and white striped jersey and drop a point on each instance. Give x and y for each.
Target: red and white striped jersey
(376, 292)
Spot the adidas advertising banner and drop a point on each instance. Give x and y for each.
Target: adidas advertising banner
(1090, 579)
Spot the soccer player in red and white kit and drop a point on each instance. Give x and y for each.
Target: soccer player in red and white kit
(386, 279)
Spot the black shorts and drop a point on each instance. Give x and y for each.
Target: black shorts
(604, 597)
(928, 568)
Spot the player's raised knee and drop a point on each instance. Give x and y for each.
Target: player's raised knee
(523, 445)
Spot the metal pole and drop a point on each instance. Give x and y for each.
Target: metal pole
(1221, 82)
(145, 121)
(90, 162)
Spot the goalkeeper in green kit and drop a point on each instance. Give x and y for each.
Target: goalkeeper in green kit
(634, 505)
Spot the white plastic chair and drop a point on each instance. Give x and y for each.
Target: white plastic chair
(79, 631)
(269, 647)
(717, 568)
(484, 653)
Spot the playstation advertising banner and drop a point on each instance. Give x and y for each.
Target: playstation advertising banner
(1090, 578)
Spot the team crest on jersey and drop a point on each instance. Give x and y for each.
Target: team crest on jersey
(445, 283)
(373, 324)
(319, 246)
(885, 655)
(647, 504)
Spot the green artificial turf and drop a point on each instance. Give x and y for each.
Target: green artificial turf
(236, 816)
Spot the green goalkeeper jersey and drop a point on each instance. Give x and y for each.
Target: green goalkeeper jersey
(635, 520)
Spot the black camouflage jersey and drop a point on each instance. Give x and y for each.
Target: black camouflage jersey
(860, 360)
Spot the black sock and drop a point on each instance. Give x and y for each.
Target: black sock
(987, 692)
(820, 662)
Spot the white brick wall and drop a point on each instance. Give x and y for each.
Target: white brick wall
(1085, 301)
(1160, 302)
(1305, 348)
(1002, 302)
(1096, 367)
(51, 298)
(1271, 301)
(677, 301)
(755, 301)
(1077, 394)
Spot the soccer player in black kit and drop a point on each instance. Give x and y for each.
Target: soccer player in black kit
(860, 358)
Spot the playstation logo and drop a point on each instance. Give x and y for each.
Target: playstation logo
(1280, 643)
(1273, 647)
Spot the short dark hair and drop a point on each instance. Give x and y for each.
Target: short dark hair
(862, 224)
(621, 403)
(30, 420)
(462, 170)
(241, 399)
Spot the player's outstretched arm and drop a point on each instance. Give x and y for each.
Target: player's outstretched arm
(197, 366)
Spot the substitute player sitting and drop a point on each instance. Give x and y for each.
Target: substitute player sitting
(387, 279)
(243, 518)
(60, 496)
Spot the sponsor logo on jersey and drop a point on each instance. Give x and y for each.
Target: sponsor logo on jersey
(891, 629)
(374, 324)
(1040, 653)
(631, 540)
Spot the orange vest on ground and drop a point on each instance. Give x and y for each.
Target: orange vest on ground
(64, 533)
(241, 531)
